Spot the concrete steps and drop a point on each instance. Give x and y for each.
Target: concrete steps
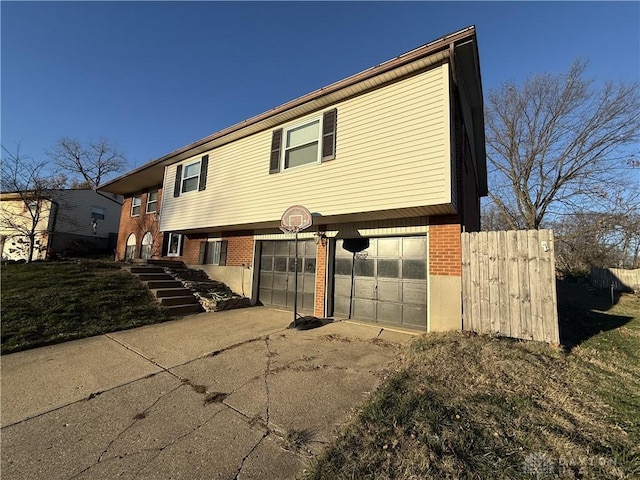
(175, 298)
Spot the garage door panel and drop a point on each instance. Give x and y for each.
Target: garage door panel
(268, 248)
(309, 266)
(265, 295)
(365, 267)
(414, 293)
(342, 285)
(308, 302)
(388, 268)
(341, 305)
(266, 280)
(389, 291)
(414, 269)
(308, 283)
(279, 298)
(389, 312)
(279, 281)
(388, 247)
(364, 309)
(266, 264)
(364, 288)
(414, 315)
(280, 264)
(414, 247)
(282, 249)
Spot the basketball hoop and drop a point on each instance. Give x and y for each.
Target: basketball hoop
(293, 220)
(289, 229)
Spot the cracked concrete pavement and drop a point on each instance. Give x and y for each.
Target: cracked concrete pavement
(229, 395)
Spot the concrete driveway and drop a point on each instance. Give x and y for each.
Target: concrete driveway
(228, 395)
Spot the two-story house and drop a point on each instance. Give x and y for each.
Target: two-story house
(56, 219)
(391, 164)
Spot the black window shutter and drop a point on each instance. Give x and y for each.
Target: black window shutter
(223, 253)
(201, 255)
(182, 239)
(276, 145)
(165, 244)
(329, 128)
(204, 165)
(178, 184)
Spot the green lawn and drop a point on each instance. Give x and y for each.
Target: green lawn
(476, 407)
(51, 302)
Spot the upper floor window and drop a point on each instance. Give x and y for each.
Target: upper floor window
(98, 213)
(31, 206)
(191, 176)
(311, 142)
(152, 201)
(136, 202)
(301, 144)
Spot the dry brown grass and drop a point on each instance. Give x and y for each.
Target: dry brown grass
(468, 406)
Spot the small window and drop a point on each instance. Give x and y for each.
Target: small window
(215, 253)
(175, 245)
(301, 145)
(30, 206)
(98, 213)
(136, 202)
(190, 177)
(152, 201)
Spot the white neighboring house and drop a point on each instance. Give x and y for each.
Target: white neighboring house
(86, 217)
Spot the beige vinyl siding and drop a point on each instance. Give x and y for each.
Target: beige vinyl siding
(393, 151)
(14, 211)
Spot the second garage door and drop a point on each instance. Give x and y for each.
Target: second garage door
(277, 273)
(389, 281)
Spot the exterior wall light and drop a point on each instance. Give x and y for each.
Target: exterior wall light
(320, 238)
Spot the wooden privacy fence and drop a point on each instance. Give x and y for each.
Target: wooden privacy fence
(620, 278)
(509, 284)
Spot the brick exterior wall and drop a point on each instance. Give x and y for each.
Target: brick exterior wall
(321, 281)
(191, 249)
(138, 225)
(445, 246)
(239, 249)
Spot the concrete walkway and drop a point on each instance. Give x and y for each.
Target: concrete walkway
(216, 395)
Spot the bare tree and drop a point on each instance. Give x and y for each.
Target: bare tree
(589, 239)
(90, 163)
(28, 191)
(494, 219)
(560, 143)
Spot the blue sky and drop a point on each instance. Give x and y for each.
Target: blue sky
(155, 76)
